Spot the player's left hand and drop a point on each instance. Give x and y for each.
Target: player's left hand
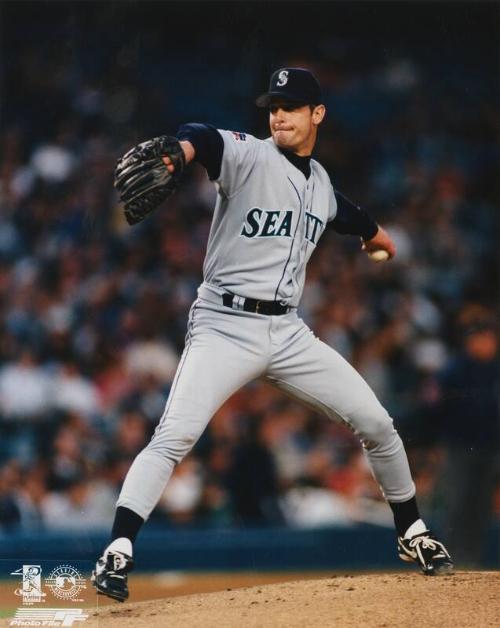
(144, 179)
(381, 241)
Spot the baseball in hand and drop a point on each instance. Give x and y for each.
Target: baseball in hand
(378, 256)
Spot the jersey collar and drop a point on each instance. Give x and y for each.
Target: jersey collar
(303, 163)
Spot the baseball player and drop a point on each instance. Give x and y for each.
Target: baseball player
(273, 203)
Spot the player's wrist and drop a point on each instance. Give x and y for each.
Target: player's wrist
(189, 151)
(371, 231)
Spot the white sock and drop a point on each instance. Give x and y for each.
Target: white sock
(416, 528)
(122, 545)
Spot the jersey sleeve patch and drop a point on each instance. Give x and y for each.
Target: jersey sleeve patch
(239, 137)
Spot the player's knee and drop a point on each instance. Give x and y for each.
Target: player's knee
(174, 449)
(378, 431)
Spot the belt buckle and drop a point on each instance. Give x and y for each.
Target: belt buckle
(257, 307)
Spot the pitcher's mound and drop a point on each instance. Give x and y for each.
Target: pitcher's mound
(376, 600)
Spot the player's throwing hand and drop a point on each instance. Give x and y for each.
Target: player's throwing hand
(381, 247)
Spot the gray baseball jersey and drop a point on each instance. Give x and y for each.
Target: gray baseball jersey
(267, 222)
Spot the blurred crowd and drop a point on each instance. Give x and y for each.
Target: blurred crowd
(93, 312)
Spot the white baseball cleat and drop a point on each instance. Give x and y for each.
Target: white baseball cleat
(430, 554)
(110, 575)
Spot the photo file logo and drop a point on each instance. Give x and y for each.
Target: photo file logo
(48, 617)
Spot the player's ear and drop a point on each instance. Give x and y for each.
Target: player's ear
(318, 114)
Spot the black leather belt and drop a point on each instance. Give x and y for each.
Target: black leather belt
(235, 302)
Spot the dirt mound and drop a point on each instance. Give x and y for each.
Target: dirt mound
(468, 599)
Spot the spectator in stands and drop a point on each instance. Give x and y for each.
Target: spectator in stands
(25, 400)
(253, 479)
(470, 427)
(10, 516)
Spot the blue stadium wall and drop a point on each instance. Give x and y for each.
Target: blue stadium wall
(360, 547)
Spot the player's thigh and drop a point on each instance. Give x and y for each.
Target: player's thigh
(319, 376)
(223, 352)
(211, 369)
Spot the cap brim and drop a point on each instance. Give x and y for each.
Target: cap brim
(264, 100)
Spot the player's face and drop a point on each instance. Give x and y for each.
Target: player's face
(294, 127)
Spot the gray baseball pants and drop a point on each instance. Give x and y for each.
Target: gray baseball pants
(225, 349)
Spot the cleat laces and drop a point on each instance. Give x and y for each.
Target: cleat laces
(119, 562)
(421, 543)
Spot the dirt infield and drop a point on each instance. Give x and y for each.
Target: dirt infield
(272, 600)
(468, 599)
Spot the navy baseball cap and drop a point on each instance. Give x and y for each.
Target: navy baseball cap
(295, 84)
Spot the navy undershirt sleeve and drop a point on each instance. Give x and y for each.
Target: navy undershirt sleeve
(351, 219)
(208, 145)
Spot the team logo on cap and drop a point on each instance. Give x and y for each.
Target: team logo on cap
(282, 78)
